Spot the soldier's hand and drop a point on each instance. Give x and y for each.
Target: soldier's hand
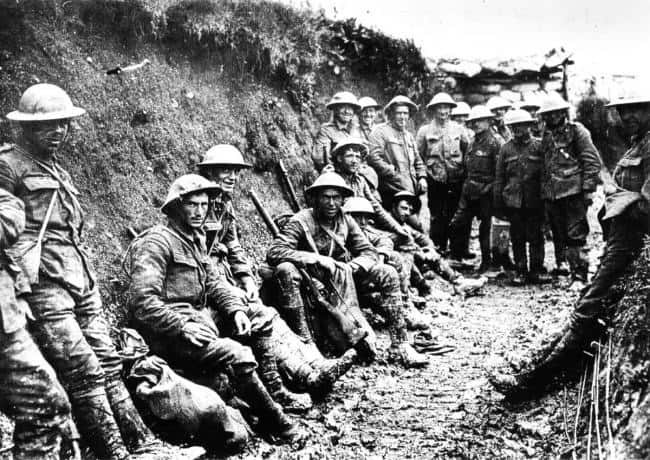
(250, 287)
(327, 263)
(422, 186)
(242, 324)
(197, 333)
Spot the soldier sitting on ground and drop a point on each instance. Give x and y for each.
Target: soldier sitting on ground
(337, 253)
(306, 366)
(628, 214)
(190, 315)
(421, 249)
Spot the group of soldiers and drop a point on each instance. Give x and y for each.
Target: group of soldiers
(365, 240)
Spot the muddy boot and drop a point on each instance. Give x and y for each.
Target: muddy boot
(99, 429)
(538, 277)
(400, 350)
(415, 320)
(134, 432)
(468, 286)
(320, 381)
(272, 419)
(563, 269)
(268, 370)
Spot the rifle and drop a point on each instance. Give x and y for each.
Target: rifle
(354, 334)
(293, 199)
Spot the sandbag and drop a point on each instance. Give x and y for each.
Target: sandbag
(198, 410)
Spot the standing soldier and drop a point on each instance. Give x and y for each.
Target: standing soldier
(570, 176)
(177, 298)
(460, 114)
(69, 324)
(29, 390)
(367, 116)
(518, 195)
(394, 156)
(442, 145)
(628, 214)
(222, 164)
(499, 106)
(332, 245)
(530, 104)
(343, 106)
(476, 199)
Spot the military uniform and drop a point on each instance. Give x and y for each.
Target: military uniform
(29, 390)
(69, 324)
(517, 191)
(502, 132)
(330, 134)
(476, 197)
(571, 169)
(442, 149)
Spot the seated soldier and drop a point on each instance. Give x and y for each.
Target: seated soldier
(307, 367)
(336, 252)
(177, 299)
(362, 211)
(423, 252)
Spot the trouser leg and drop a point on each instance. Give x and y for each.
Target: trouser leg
(460, 223)
(577, 231)
(556, 218)
(64, 345)
(484, 213)
(32, 396)
(535, 237)
(291, 305)
(437, 193)
(518, 239)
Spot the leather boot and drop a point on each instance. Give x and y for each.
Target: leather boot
(133, 429)
(293, 308)
(268, 370)
(415, 320)
(400, 350)
(321, 379)
(272, 419)
(96, 423)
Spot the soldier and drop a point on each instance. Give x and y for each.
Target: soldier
(222, 164)
(362, 211)
(518, 195)
(530, 104)
(421, 249)
(629, 220)
(394, 156)
(570, 176)
(460, 114)
(343, 106)
(476, 198)
(442, 145)
(29, 390)
(499, 106)
(177, 298)
(69, 325)
(367, 116)
(333, 246)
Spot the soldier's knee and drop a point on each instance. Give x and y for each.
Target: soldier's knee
(287, 270)
(387, 277)
(233, 354)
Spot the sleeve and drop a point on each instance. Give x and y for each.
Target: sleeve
(321, 152)
(220, 293)
(8, 179)
(499, 179)
(382, 217)
(148, 261)
(12, 219)
(377, 157)
(285, 247)
(237, 258)
(420, 167)
(421, 147)
(589, 158)
(644, 205)
(422, 240)
(363, 252)
(382, 242)
(465, 142)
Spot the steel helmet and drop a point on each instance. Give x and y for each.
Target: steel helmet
(410, 197)
(368, 102)
(480, 112)
(629, 101)
(358, 205)
(329, 180)
(43, 102)
(461, 109)
(552, 103)
(518, 116)
(350, 141)
(497, 102)
(441, 99)
(401, 100)
(343, 98)
(224, 155)
(530, 101)
(186, 185)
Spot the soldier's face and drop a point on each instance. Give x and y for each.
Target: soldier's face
(362, 219)
(46, 136)
(554, 118)
(520, 130)
(368, 116)
(226, 178)
(402, 210)
(193, 209)
(330, 201)
(442, 112)
(343, 113)
(350, 161)
(635, 118)
(460, 119)
(499, 113)
(401, 116)
(480, 125)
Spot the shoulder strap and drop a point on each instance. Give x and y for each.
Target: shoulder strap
(46, 220)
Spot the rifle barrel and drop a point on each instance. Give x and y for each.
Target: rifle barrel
(275, 231)
(293, 198)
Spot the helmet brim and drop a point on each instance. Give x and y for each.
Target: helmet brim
(630, 101)
(211, 191)
(448, 104)
(72, 112)
(314, 189)
(206, 164)
(332, 105)
(480, 118)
